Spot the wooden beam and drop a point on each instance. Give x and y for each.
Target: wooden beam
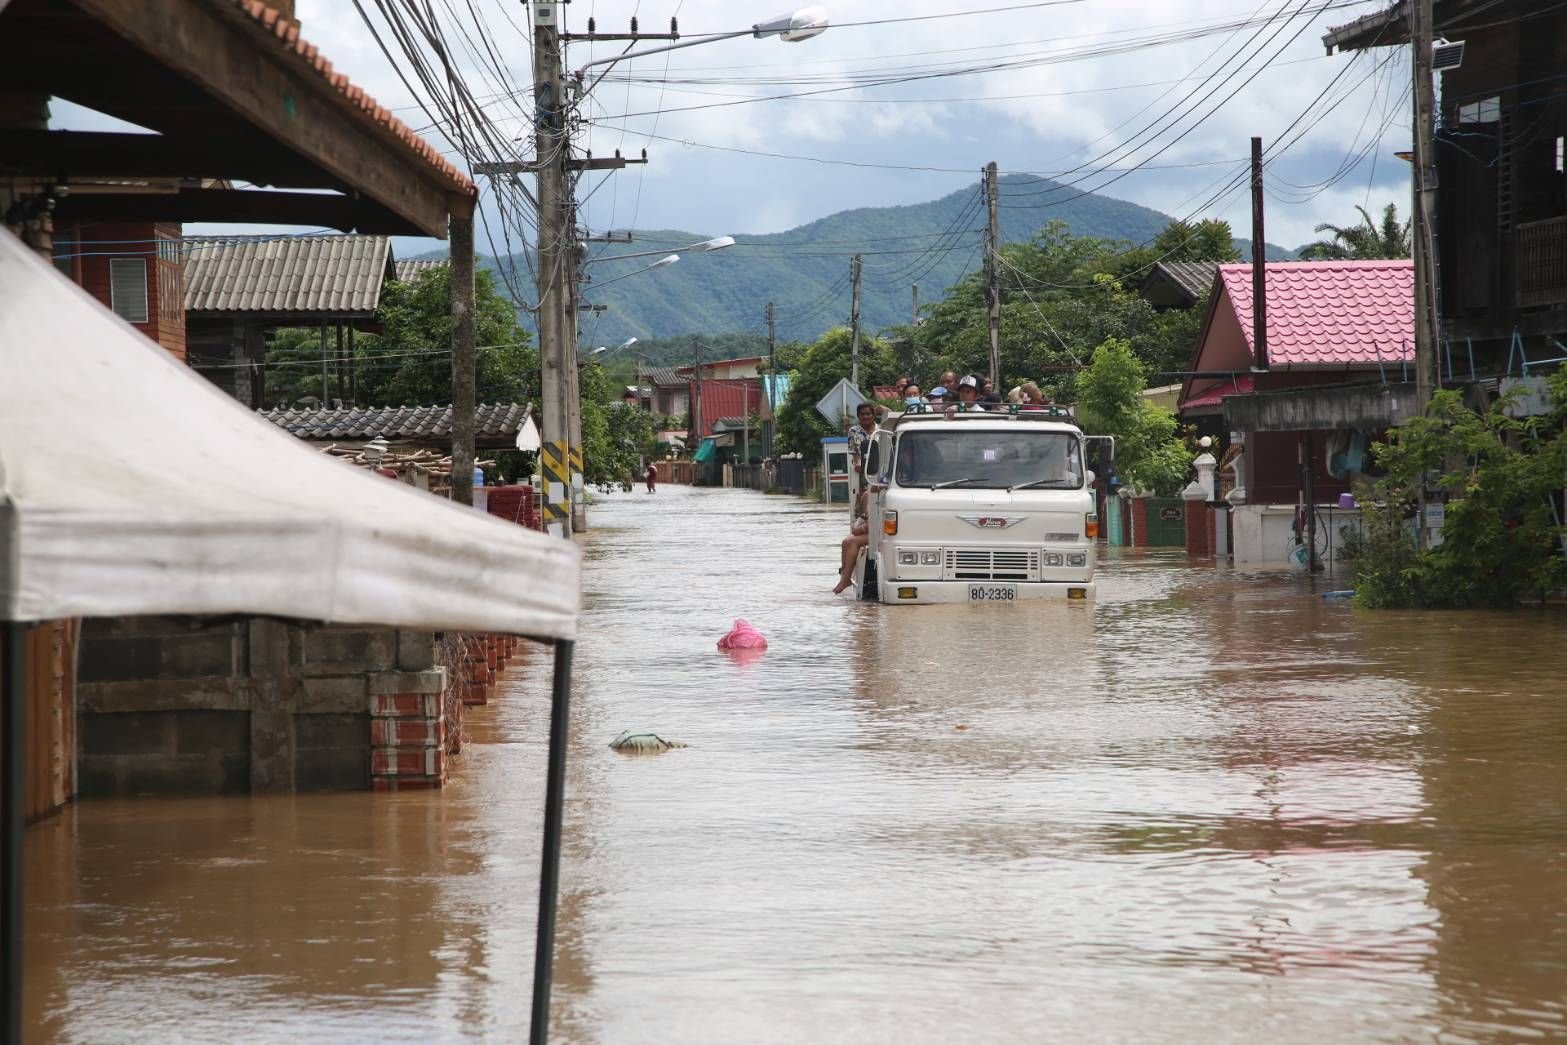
(345, 213)
(230, 56)
(68, 155)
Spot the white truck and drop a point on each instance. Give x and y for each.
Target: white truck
(978, 507)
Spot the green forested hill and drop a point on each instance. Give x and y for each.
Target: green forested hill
(805, 271)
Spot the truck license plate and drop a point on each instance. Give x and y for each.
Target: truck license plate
(992, 592)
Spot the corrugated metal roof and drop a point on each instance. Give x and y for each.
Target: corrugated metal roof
(408, 271)
(299, 275)
(396, 423)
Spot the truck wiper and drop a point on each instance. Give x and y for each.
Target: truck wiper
(1070, 484)
(954, 482)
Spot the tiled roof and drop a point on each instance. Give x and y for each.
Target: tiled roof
(1193, 277)
(1330, 313)
(663, 377)
(288, 33)
(322, 275)
(408, 271)
(1240, 384)
(396, 423)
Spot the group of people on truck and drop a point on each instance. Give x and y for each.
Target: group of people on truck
(971, 392)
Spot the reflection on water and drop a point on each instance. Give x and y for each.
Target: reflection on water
(1211, 805)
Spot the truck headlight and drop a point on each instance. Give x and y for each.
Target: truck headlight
(1052, 558)
(930, 558)
(908, 558)
(1077, 559)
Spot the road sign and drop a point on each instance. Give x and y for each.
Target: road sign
(840, 403)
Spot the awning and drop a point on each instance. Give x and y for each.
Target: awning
(130, 486)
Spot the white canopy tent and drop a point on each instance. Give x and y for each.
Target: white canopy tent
(131, 486)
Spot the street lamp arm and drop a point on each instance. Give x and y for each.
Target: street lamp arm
(706, 245)
(800, 25)
(660, 263)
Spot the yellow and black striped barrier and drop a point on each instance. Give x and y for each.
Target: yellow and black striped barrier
(553, 459)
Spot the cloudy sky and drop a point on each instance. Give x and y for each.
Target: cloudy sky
(1147, 100)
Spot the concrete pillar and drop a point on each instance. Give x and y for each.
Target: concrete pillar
(274, 684)
(1198, 527)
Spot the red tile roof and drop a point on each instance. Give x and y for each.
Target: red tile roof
(288, 32)
(1240, 384)
(1330, 313)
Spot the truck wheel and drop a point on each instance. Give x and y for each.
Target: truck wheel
(869, 590)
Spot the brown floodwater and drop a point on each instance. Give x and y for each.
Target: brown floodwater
(1212, 806)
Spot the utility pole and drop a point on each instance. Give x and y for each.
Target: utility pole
(745, 421)
(574, 255)
(915, 321)
(772, 382)
(1259, 262)
(694, 429)
(993, 270)
(1427, 315)
(854, 322)
(556, 269)
(464, 365)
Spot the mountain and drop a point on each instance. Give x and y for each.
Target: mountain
(805, 271)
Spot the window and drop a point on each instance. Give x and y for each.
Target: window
(1561, 158)
(128, 288)
(1486, 110)
(953, 457)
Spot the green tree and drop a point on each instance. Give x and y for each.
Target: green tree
(409, 362)
(1502, 539)
(1148, 454)
(800, 428)
(615, 436)
(1368, 241)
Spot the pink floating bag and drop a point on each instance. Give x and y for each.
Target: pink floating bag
(742, 636)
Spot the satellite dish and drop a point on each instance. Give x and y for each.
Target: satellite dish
(528, 436)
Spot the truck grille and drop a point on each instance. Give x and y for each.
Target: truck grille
(987, 565)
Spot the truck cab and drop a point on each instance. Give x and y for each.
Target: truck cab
(979, 507)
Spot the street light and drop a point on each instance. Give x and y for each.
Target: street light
(791, 28)
(660, 263)
(707, 246)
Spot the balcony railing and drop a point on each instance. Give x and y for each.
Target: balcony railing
(1542, 263)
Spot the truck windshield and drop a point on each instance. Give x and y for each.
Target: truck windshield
(956, 457)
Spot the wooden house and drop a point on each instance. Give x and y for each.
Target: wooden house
(1501, 164)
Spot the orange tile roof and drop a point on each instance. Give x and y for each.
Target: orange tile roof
(288, 32)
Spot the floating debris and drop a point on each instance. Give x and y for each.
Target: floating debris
(632, 743)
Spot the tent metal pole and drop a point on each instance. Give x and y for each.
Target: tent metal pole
(13, 714)
(549, 873)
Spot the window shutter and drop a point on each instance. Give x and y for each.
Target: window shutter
(128, 288)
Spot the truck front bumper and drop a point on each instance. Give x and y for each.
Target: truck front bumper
(912, 592)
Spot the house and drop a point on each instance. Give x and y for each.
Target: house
(232, 95)
(667, 392)
(135, 269)
(1501, 175)
(1177, 284)
(1340, 336)
(240, 288)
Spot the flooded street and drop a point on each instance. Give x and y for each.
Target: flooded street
(1211, 806)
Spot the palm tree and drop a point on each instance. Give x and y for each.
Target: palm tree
(1368, 241)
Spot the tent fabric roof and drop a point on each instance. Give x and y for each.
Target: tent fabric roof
(491, 420)
(1329, 313)
(297, 275)
(131, 486)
